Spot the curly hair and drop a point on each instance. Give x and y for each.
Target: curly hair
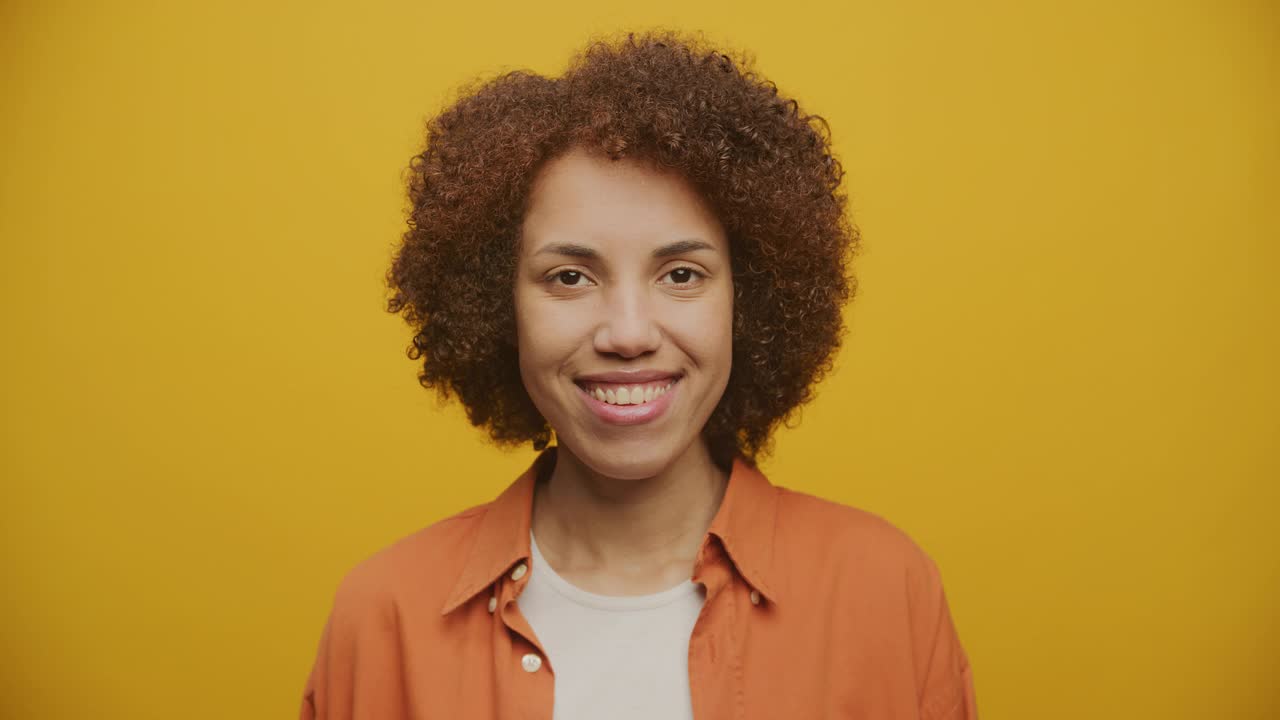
(765, 167)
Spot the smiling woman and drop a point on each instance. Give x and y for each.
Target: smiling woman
(625, 339)
(645, 257)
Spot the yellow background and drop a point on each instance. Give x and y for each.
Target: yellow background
(1061, 375)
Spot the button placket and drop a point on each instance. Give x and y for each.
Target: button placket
(526, 691)
(531, 661)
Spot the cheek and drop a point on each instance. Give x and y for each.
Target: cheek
(705, 331)
(529, 334)
(546, 334)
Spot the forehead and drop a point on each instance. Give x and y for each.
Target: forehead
(587, 197)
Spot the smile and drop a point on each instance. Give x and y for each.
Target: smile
(629, 404)
(632, 394)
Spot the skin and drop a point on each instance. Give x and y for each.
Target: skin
(626, 507)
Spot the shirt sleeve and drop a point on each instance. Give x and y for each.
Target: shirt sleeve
(357, 670)
(944, 678)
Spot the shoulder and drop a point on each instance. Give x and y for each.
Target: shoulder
(417, 569)
(819, 530)
(400, 586)
(861, 573)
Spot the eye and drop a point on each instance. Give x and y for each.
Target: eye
(567, 278)
(685, 276)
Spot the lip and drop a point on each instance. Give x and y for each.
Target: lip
(630, 377)
(630, 414)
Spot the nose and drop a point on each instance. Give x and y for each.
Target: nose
(628, 326)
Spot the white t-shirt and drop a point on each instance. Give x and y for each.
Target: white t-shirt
(618, 657)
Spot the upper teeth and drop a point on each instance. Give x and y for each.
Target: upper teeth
(629, 394)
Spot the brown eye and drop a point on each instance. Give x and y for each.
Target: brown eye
(684, 275)
(569, 277)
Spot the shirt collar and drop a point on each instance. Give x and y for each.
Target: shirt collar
(744, 524)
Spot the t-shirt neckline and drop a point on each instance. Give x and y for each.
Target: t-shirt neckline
(542, 571)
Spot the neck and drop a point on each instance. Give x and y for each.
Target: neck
(590, 523)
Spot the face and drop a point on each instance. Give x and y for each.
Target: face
(624, 311)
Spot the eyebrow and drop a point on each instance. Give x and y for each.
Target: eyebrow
(582, 251)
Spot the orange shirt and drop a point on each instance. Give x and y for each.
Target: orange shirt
(813, 609)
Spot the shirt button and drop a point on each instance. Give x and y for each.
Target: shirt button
(531, 662)
(519, 571)
(493, 603)
(755, 597)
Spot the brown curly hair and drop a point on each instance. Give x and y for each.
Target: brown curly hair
(662, 97)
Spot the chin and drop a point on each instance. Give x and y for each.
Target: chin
(636, 460)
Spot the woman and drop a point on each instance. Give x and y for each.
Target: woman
(645, 257)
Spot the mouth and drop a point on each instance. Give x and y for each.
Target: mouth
(629, 403)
